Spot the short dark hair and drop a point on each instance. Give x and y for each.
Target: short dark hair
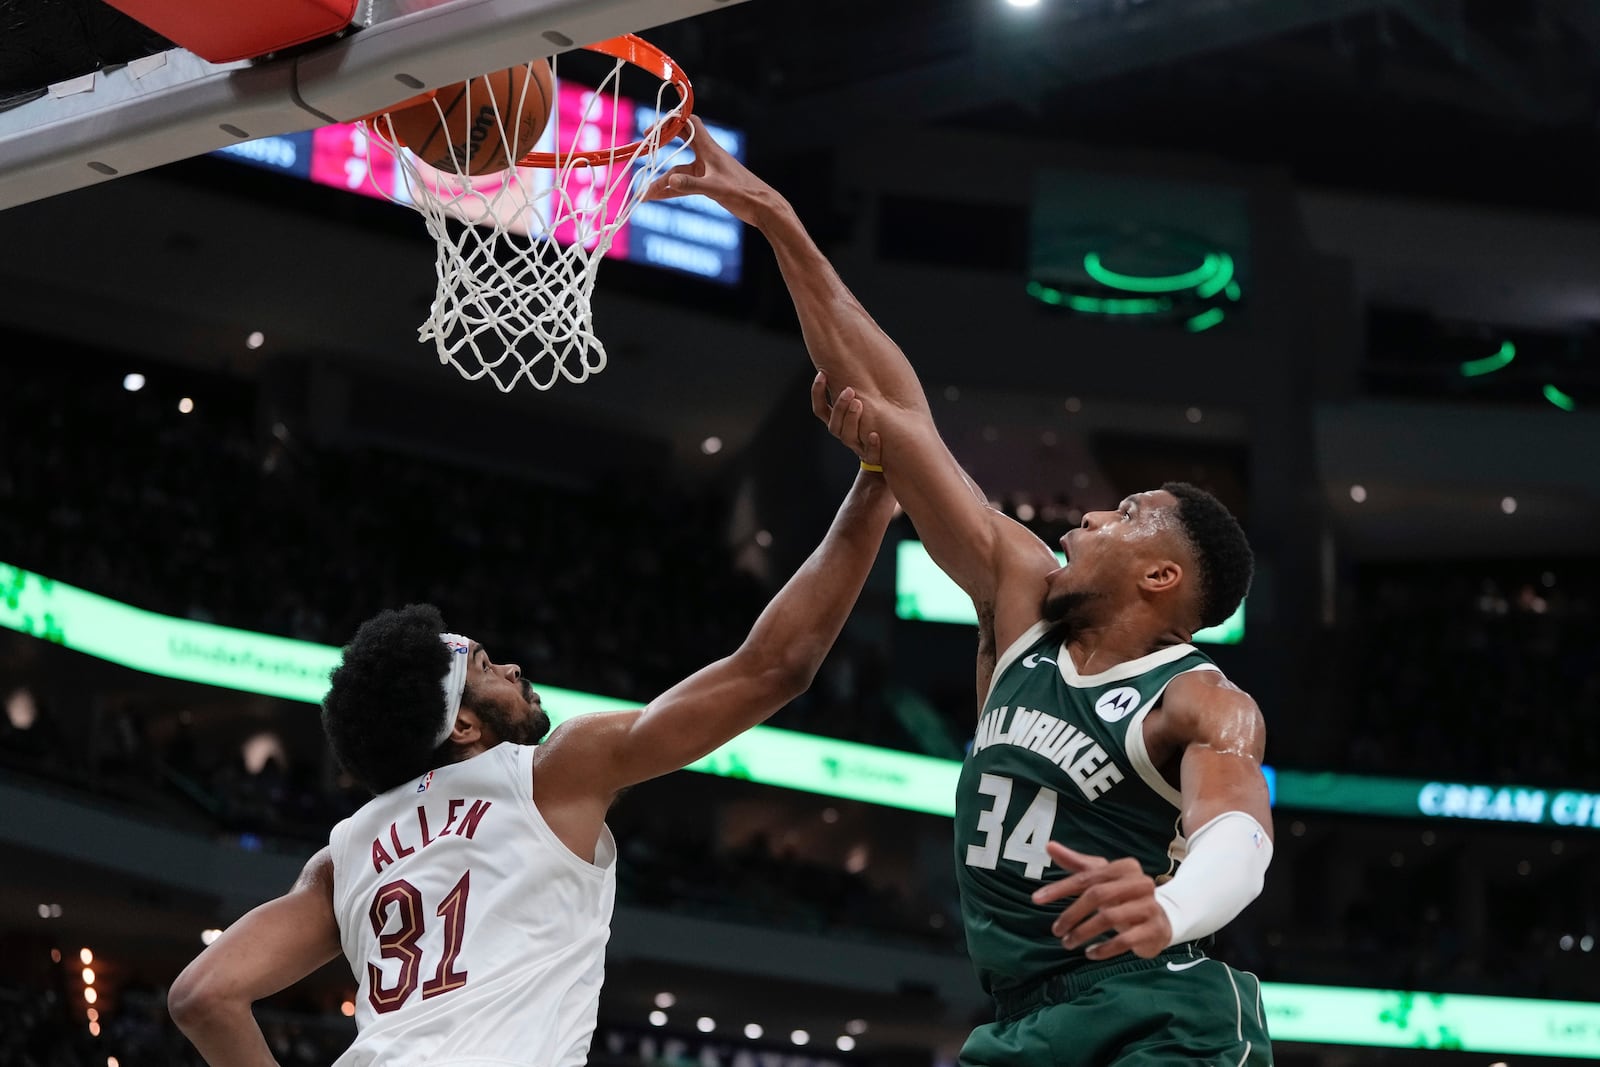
(386, 703)
(1220, 548)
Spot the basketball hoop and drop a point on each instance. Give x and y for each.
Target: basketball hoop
(518, 251)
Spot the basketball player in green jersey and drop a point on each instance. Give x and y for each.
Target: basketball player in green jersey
(1115, 770)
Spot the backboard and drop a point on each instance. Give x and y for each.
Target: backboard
(173, 105)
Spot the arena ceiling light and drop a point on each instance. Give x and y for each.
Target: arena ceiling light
(133, 382)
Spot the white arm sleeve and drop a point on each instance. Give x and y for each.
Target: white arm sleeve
(1224, 870)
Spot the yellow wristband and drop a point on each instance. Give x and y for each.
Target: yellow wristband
(873, 467)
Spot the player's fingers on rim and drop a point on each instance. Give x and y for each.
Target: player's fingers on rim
(663, 188)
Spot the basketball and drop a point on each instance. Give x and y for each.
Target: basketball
(460, 129)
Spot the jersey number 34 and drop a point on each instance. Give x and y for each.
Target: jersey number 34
(1026, 842)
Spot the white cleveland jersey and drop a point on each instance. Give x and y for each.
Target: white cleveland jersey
(477, 937)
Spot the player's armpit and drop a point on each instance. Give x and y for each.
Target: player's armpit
(267, 950)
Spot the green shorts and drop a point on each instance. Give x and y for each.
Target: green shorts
(1179, 1008)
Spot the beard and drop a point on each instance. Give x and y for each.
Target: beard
(524, 726)
(1068, 611)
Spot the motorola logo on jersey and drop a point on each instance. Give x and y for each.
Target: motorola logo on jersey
(1117, 704)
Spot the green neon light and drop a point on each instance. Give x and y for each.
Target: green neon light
(298, 670)
(1391, 1019)
(1096, 305)
(924, 593)
(1044, 293)
(1171, 283)
(1476, 368)
(1233, 291)
(160, 644)
(1220, 281)
(1560, 399)
(1205, 320)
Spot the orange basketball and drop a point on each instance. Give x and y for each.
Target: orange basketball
(468, 127)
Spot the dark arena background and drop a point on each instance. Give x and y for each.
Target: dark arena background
(1336, 260)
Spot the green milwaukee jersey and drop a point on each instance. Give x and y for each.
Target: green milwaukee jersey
(1058, 756)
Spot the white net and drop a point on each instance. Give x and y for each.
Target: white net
(518, 250)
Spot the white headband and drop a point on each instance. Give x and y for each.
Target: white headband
(454, 682)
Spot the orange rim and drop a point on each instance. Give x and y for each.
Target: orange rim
(646, 56)
(630, 49)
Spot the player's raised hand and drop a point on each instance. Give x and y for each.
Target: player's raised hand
(1110, 895)
(843, 415)
(717, 174)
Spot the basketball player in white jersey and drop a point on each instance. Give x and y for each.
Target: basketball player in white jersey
(472, 895)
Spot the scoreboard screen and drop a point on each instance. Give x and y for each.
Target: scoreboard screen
(691, 235)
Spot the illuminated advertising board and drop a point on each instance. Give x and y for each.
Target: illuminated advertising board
(691, 235)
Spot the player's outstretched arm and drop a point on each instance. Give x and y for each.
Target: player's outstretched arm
(589, 759)
(1226, 819)
(267, 950)
(969, 541)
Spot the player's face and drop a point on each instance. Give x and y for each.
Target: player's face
(504, 700)
(1109, 552)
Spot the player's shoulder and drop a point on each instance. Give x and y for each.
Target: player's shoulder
(577, 743)
(1201, 701)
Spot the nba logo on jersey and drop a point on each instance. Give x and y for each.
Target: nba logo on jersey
(427, 780)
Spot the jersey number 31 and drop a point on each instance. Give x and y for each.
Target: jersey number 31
(402, 943)
(1026, 843)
